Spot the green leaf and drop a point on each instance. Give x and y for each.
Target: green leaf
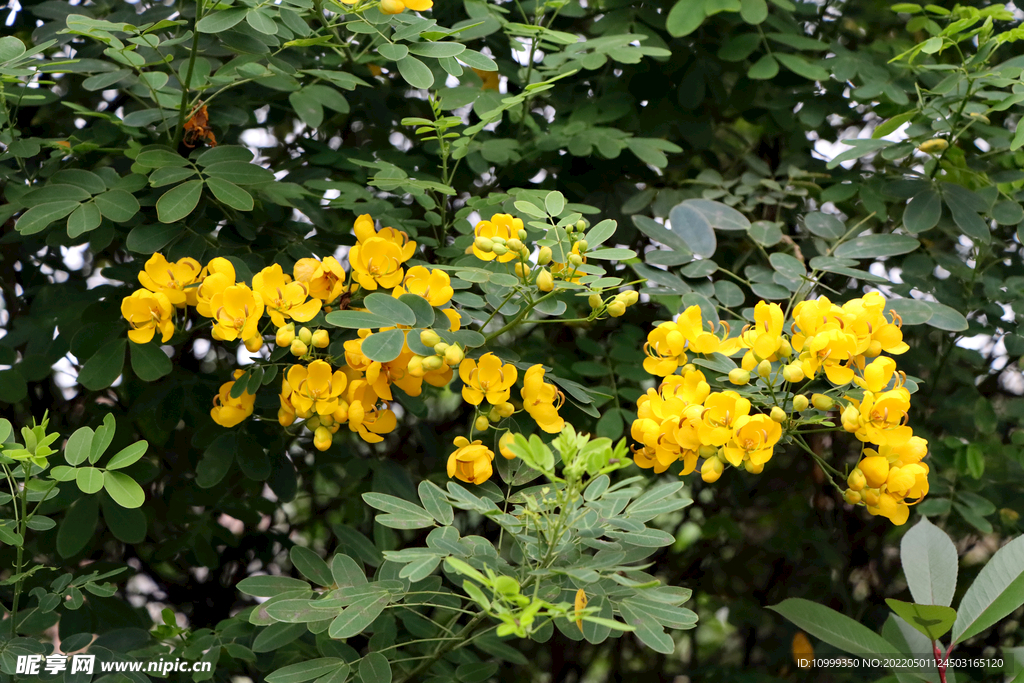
(832, 627)
(801, 67)
(402, 513)
(860, 148)
(346, 572)
(753, 11)
(436, 502)
(1018, 136)
(13, 387)
(102, 437)
(934, 621)
(763, 69)
(357, 616)
(385, 346)
(78, 447)
(261, 21)
(149, 362)
(649, 631)
(998, 590)
(230, 194)
(100, 371)
(660, 233)
(923, 211)
(946, 318)
(612, 254)
(685, 17)
(824, 225)
(1008, 213)
(239, 172)
(893, 124)
(356, 320)
(876, 246)
(719, 215)
(695, 230)
(38, 217)
(391, 309)
(160, 158)
(375, 668)
(554, 203)
(123, 489)
(985, 420)
(152, 237)
(308, 107)
(11, 537)
(11, 48)
(128, 526)
(179, 201)
(216, 461)
(78, 526)
(306, 671)
(437, 50)
(117, 205)
(89, 479)
(217, 22)
(129, 455)
(311, 565)
(930, 564)
(392, 51)
(420, 307)
(416, 73)
(659, 500)
(84, 219)
(269, 586)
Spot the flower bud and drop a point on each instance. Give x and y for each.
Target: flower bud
(616, 309)
(852, 497)
(285, 417)
(629, 297)
(545, 281)
(851, 418)
(595, 301)
(750, 467)
(415, 366)
(870, 497)
(299, 348)
(322, 438)
(978, 115)
(440, 348)
(285, 335)
(313, 423)
(254, 343)
(392, 6)
(778, 414)
(499, 249)
(493, 415)
(503, 445)
(856, 481)
(575, 260)
(521, 234)
(505, 409)
(483, 244)
(326, 421)
(822, 402)
(341, 414)
(514, 244)
(453, 355)
(482, 423)
(321, 339)
(874, 349)
(800, 403)
(764, 368)
(785, 349)
(707, 451)
(875, 469)
(582, 246)
(711, 470)
(305, 334)
(581, 225)
(793, 373)
(544, 256)
(497, 239)
(430, 338)
(739, 376)
(432, 363)
(934, 146)
(522, 269)
(688, 368)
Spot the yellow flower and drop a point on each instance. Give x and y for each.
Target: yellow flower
(542, 400)
(503, 445)
(315, 387)
(364, 230)
(722, 412)
(501, 225)
(487, 378)
(754, 439)
(877, 374)
(398, 6)
(364, 416)
(433, 285)
(227, 411)
(883, 417)
(665, 349)
(869, 323)
(568, 272)
(218, 275)
(376, 262)
(325, 279)
(171, 279)
(470, 462)
(764, 337)
(236, 313)
(454, 319)
(698, 339)
(148, 312)
(283, 297)
(490, 79)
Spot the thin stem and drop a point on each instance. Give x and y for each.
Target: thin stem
(183, 106)
(517, 319)
(442, 649)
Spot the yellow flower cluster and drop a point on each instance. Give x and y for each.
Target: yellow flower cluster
(684, 420)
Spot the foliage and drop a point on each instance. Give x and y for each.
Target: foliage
(668, 163)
